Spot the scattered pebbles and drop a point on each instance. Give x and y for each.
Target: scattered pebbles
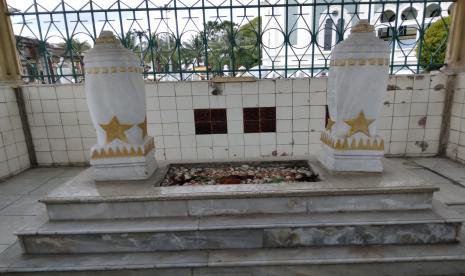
(244, 174)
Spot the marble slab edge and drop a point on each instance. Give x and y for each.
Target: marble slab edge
(339, 261)
(206, 224)
(106, 267)
(203, 228)
(226, 194)
(211, 258)
(448, 214)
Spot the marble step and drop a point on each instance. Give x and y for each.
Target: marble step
(239, 200)
(234, 232)
(395, 260)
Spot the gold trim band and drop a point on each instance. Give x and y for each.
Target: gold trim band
(133, 151)
(351, 144)
(114, 69)
(360, 62)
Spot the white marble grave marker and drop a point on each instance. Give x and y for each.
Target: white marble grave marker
(357, 82)
(116, 97)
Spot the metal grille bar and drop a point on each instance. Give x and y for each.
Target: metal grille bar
(200, 39)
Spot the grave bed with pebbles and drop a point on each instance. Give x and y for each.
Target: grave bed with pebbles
(238, 173)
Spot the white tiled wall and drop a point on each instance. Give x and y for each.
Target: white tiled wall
(61, 127)
(63, 133)
(456, 145)
(412, 114)
(13, 150)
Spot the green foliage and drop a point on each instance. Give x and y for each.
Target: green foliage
(233, 45)
(220, 39)
(76, 47)
(226, 42)
(433, 51)
(131, 41)
(248, 53)
(165, 54)
(193, 51)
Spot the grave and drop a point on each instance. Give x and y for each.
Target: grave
(356, 87)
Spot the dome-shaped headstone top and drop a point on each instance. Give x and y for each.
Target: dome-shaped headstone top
(362, 42)
(109, 51)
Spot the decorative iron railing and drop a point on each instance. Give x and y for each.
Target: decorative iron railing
(199, 39)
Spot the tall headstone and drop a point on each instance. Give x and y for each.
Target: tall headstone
(116, 97)
(357, 81)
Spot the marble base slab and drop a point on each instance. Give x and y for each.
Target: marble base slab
(133, 168)
(85, 198)
(351, 161)
(84, 188)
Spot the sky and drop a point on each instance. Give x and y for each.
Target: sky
(185, 22)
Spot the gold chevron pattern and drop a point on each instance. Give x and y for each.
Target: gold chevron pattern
(360, 62)
(352, 144)
(133, 151)
(114, 69)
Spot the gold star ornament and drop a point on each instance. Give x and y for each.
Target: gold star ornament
(115, 130)
(143, 127)
(359, 124)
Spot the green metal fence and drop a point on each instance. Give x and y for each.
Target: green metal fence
(199, 39)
